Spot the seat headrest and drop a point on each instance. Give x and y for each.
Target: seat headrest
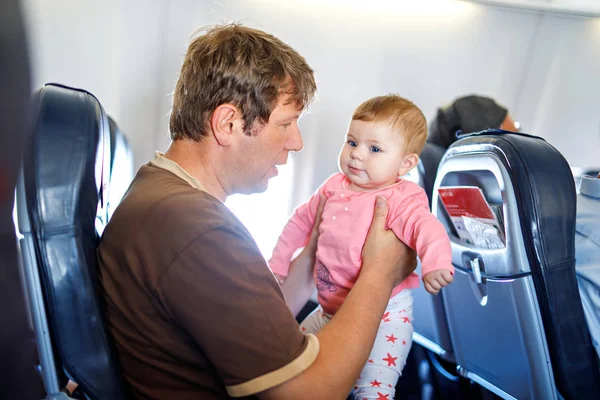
(69, 156)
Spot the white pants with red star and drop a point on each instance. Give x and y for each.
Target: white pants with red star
(394, 338)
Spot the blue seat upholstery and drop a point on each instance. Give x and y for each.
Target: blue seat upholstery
(515, 315)
(64, 186)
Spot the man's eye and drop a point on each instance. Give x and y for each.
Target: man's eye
(375, 149)
(351, 143)
(285, 126)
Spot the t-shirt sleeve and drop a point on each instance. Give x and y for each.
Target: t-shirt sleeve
(220, 290)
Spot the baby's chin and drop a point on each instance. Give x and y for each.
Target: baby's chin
(365, 186)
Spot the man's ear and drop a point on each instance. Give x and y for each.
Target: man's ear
(223, 122)
(408, 162)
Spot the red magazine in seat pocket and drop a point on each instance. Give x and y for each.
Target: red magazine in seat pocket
(465, 201)
(468, 204)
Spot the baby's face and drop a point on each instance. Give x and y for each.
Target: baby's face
(373, 155)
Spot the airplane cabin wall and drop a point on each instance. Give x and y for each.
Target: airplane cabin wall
(113, 49)
(543, 67)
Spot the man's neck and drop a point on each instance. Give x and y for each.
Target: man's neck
(199, 162)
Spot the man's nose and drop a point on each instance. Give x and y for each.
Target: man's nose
(295, 142)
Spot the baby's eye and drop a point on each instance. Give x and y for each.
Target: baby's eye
(375, 149)
(351, 143)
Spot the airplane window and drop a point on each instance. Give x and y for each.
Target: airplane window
(265, 214)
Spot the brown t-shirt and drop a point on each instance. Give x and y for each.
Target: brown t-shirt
(191, 304)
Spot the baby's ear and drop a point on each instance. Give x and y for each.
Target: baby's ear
(409, 161)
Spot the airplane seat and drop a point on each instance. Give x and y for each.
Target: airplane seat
(435, 362)
(431, 328)
(121, 166)
(62, 210)
(429, 161)
(514, 314)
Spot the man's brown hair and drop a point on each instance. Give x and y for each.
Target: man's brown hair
(242, 66)
(402, 115)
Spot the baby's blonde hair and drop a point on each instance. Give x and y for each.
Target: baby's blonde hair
(403, 116)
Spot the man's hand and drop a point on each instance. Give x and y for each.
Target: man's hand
(435, 280)
(383, 253)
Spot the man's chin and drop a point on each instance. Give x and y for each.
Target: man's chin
(259, 187)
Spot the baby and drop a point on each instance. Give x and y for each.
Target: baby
(384, 140)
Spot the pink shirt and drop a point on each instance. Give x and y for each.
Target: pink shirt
(347, 217)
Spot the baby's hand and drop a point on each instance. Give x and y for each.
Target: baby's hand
(435, 280)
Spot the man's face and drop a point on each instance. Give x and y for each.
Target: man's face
(266, 147)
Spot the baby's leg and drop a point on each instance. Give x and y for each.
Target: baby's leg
(315, 321)
(394, 338)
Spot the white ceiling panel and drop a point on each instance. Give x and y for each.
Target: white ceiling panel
(579, 7)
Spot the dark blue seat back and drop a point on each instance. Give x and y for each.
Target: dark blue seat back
(65, 182)
(525, 312)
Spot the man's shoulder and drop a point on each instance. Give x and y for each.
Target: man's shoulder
(159, 200)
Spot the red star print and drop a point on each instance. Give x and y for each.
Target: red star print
(371, 361)
(385, 317)
(391, 338)
(375, 383)
(404, 342)
(303, 329)
(401, 311)
(406, 320)
(382, 396)
(390, 360)
(389, 385)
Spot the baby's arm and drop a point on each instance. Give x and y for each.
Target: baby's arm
(295, 235)
(415, 225)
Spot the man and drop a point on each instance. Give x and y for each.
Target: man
(587, 253)
(191, 304)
